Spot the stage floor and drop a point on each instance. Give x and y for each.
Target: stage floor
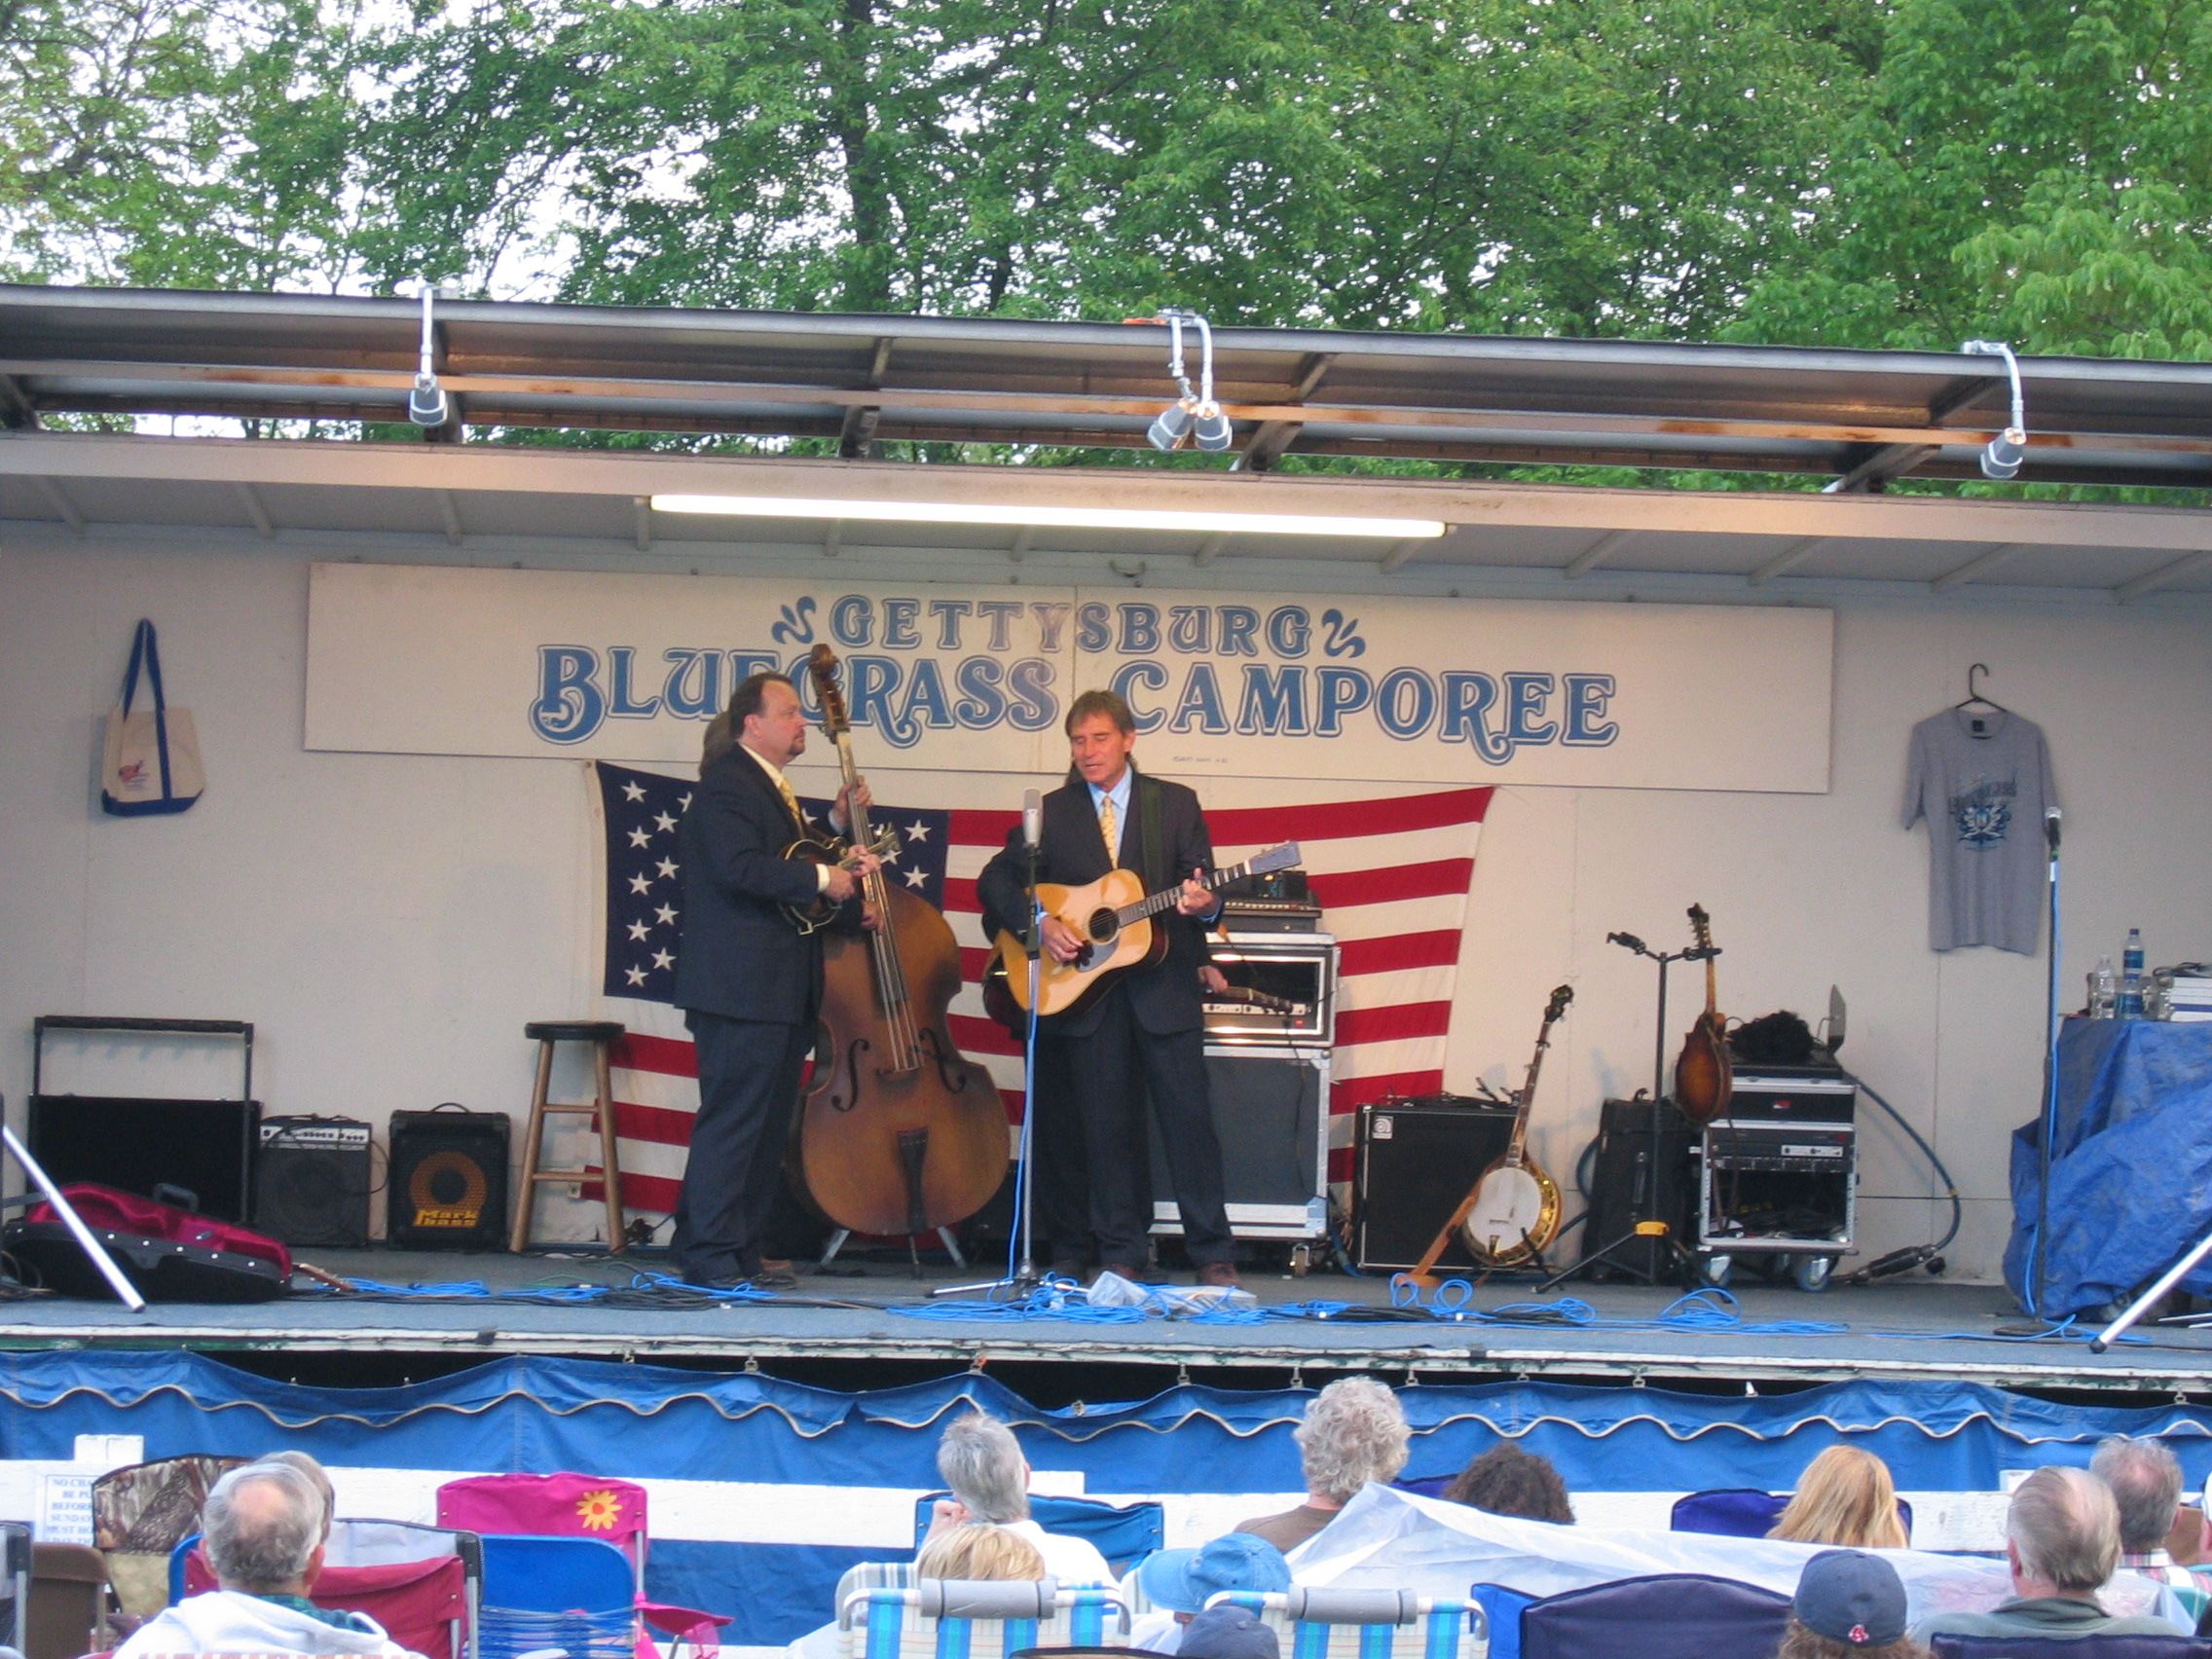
(1910, 1328)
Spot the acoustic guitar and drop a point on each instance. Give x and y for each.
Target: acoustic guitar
(1705, 1074)
(1511, 1214)
(1114, 915)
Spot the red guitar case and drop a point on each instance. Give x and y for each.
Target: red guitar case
(169, 1254)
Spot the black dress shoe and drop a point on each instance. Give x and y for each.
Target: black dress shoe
(1068, 1268)
(1129, 1270)
(773, 1279)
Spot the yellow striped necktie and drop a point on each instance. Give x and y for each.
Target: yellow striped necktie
(1107, 827)
(791, 799)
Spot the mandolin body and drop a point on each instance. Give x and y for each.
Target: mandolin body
(1705, 1077)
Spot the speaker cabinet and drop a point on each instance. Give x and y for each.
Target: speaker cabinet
(1416, 1160)
(203, 1146)
(447, 1188)
(1621, 1188)
(310, 1183)
(1270, 1110)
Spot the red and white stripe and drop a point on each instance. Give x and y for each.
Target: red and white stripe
(1391, 875)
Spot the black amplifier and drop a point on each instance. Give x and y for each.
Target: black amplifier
(1416, 1160)
(1793, 1095)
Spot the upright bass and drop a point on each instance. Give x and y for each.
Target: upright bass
(898, 1133)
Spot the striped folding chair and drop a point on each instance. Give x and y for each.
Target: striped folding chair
(1324, 1623)
(955, 1618)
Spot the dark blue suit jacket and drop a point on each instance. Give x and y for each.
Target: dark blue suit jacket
(1165, 998)
(737, 953)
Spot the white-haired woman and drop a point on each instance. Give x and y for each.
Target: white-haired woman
(1353, 1434)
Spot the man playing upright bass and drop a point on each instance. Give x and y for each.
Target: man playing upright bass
(1145, 1035)
(748, 980)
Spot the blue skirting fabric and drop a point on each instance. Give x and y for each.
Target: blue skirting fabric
(2132, 1166)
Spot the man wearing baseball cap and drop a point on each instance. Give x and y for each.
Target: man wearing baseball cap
(1849, 1605)
(1178, 1583)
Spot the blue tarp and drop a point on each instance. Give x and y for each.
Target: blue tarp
(538, 1415)
(2132, 1170)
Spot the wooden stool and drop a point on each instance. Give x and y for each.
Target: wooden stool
(545, 1033)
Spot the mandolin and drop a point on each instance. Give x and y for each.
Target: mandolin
(836, 855)
(1114, 915)
(1511, 1214)
(1705, 1076)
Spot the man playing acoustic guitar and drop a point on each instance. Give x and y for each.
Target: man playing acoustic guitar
(1143, 1036)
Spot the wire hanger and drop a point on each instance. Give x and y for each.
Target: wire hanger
(1977, 725)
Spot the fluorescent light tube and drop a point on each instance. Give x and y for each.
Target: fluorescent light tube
(1070, 518)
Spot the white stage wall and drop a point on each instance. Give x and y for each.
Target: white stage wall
(390, 921)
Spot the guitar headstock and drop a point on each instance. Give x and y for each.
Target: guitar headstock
(1701, 924)
(1560, 997)
(822, 670)
(1274, 859)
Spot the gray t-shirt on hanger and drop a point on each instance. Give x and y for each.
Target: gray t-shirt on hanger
(1983, 799)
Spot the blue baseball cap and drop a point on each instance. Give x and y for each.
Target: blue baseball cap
(1181, 1580)
(1853, 1598)
(1227, 1633)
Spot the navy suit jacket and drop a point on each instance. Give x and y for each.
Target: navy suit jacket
(737, 955)
(1073, 854)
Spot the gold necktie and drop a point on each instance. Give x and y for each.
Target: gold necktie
(1107, 827)
(791, 799)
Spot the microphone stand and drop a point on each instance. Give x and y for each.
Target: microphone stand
(1022, 1275)
(1649, 1225)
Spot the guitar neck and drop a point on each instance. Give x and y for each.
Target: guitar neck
(1152, 903)
(1711, 987)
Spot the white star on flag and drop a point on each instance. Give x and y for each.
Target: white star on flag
(684, 803)
(637, 975)
(662, 959)
(918, 877)
(917, 830)
(640, 883)
(639, 929)
(664, 821)
(633, 791)
(639, 838)
(668, 869)
(666, 913)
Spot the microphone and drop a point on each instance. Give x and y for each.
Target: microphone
(1624, 938)
(1032, 819)
(2051, 816)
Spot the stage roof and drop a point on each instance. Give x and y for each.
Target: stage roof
(1858, 418)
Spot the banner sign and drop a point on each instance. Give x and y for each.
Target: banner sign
(424, 660)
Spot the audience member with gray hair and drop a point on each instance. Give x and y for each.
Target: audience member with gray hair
(2062, 1543)
(982, 1462)
(263, 1527)
(2145, 1478)
(1353, 1434)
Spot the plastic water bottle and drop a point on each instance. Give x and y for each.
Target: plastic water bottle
(2104, 989)
(2129, 1004)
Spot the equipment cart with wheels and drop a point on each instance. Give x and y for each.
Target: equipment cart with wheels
(1777, 1178)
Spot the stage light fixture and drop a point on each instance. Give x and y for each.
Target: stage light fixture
(2002, 455)
(1060, 518)
(426, 404)
(1195, 413)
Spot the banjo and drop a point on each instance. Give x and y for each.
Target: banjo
(1512, 1212)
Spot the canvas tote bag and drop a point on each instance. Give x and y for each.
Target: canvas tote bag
(152, 761)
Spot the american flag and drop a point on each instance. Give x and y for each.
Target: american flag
(1391, 875)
